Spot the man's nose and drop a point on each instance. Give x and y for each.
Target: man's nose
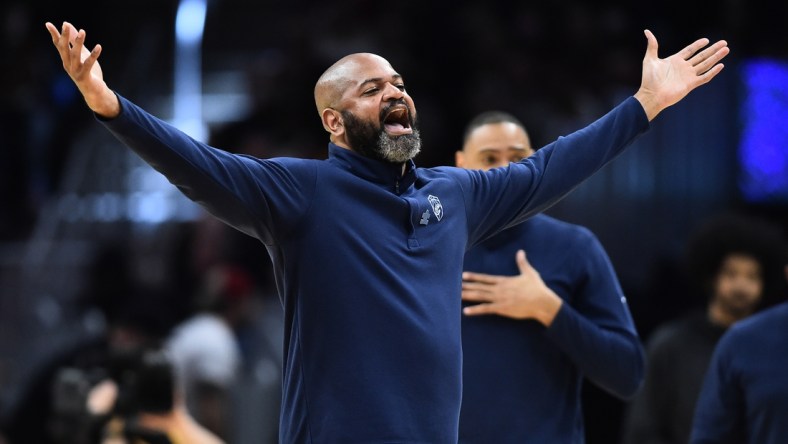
(391, 92)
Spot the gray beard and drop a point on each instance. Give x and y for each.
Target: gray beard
(399, 149)
(373, 142)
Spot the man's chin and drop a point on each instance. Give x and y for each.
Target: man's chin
(742, 307)
(399, 149)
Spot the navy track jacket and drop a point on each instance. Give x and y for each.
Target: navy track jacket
(745, 392)
(368, 263)
(522, 381)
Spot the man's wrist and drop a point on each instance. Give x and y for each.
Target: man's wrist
(649, 103)
(549, 309)
(106, 104)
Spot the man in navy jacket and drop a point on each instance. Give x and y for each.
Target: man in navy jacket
(545, 327)
(367, 249)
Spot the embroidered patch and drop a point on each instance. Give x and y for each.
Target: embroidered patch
(437, 208)
(425, 218)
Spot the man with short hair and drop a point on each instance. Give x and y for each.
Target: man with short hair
(367, 249)
(549, 321)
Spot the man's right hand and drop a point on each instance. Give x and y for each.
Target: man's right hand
(83, 68)
(524, 296)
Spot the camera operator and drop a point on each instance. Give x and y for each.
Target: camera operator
(148, 407)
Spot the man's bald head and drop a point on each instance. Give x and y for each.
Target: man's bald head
(343, 74)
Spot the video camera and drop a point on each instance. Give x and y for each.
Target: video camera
(145, 382)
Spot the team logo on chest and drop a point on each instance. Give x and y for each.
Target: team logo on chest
(437, 208)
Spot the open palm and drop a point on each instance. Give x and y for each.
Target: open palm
(666, 81)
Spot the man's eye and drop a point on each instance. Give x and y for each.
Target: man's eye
(489, 160)
(401, 86)
(371, 91)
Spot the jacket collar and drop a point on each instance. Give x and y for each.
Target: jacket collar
(386, 174)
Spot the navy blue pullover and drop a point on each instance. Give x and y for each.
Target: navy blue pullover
(368, 263)
(745, 393)
(522, 381)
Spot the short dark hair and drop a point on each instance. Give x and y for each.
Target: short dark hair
(489, 118)
(727, 234)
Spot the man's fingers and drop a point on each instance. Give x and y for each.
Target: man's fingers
(53, 32)
(476, 286)
(79, 39)
(476, 296)
(70, 43)
(480, 277)
(653, 46)
(692, 48)
(706, 64)
(89, 58)
(65, 32)
(70, 35)
(94, 55)
(522, 262)
(78, 45)
(709, 68)
(57, 39)
(709, 53)
(85, 54)
(69, 27)
(710, 74)
(479, 309)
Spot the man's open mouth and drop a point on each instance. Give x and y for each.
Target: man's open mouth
(397, 121)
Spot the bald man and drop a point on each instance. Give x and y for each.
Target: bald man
(368, 249)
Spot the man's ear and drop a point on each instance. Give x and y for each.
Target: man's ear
(332, 122)
(459, 159)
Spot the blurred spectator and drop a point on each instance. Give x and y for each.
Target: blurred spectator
(745, 392)
(153, 413)
(735, 261)
(204, 348)
(228, 350)
(257, 395)
(51, 405)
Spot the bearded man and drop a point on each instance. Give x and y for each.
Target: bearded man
(367, 249)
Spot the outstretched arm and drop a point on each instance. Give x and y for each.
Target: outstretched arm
(507, 196)
(666, 81)
(263, 198)
(83, 68)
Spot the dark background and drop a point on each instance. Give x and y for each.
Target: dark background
(556, 65)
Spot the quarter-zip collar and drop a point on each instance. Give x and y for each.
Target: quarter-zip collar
(386, 174)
